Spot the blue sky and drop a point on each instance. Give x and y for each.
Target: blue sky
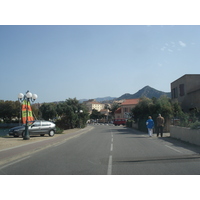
(61, 62)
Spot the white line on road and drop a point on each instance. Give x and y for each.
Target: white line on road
(109, 172)
(111, 147)
(173, 149)
(14, 162)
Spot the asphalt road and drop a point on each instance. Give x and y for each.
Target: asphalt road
(107, 150)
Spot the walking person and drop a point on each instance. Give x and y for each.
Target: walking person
(160, 125)
(150, 126)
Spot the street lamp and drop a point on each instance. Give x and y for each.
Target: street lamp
(80, 111)
(28, 97)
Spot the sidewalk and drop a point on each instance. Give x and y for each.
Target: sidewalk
(154, 134)
(11, 142)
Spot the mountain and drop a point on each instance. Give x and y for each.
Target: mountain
(100, 99)
(147, 91)
(105, 98)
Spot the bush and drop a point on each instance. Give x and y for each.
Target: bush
(195, 125)
(59, 130)
(129, 123)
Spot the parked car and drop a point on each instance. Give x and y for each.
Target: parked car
(118, 122)
(36, 128)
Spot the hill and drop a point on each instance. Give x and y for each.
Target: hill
(100, 99)
(147, 91)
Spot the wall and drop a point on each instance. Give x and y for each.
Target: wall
(191, 93)
(185, 134)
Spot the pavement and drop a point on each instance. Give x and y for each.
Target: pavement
(11, 142)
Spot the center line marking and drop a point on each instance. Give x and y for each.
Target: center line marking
(111, 147)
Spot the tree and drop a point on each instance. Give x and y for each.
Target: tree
(96, 115)
(113, 108)
(48, 111)
(152, 107)
(9, 110)
(70, 114)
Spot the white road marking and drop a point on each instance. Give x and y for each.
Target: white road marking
(111, 147)
(173, 149)
(14, 162)
(109, 172)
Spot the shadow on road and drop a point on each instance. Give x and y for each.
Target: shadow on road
(166, 138)
(158, 159)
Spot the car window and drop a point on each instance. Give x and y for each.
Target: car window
(36, 124)
(46, 124)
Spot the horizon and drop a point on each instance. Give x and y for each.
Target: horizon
(35, 102)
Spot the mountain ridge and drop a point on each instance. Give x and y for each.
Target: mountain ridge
(146, 91)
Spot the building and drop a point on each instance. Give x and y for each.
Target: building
(94, 105)
(118, 113)
(125, 108)
(186, 90)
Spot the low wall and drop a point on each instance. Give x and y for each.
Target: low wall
(185, 134)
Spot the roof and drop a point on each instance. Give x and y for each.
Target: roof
(130, 102)
(185, 76)
(118, 111)
(93, 102)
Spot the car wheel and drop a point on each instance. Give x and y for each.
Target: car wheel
(16, 135)
(51, 133)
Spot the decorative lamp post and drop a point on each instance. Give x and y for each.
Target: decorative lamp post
(80, 111)
(27, 98)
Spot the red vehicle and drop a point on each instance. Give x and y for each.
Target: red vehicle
(118, 122)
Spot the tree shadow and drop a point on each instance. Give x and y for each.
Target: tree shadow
(144, 135)
(182, 158)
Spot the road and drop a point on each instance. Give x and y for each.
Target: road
(106, 150)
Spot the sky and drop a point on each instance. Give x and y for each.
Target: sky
(58, 62)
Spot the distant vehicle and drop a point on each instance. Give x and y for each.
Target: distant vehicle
(36, 128)
(118, 122)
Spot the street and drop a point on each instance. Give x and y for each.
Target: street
(109, 150)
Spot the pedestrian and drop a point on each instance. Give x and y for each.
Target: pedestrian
(150, 126)
(160, 125)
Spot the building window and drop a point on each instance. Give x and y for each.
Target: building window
(174, 93)
(125, 109)
(181, 87)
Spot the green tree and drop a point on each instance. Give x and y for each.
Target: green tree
(113, 108)
(48, 111)
(9, 110)
(152, 107)
(71, 115)
(96, 115)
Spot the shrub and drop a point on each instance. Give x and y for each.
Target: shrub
(195, 125)
(59, 130)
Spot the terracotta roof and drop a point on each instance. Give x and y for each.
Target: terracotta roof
(130, 102)
(118, 111)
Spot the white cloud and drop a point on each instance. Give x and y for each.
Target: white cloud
(182, 44)
(170, 50)
(163, 48)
